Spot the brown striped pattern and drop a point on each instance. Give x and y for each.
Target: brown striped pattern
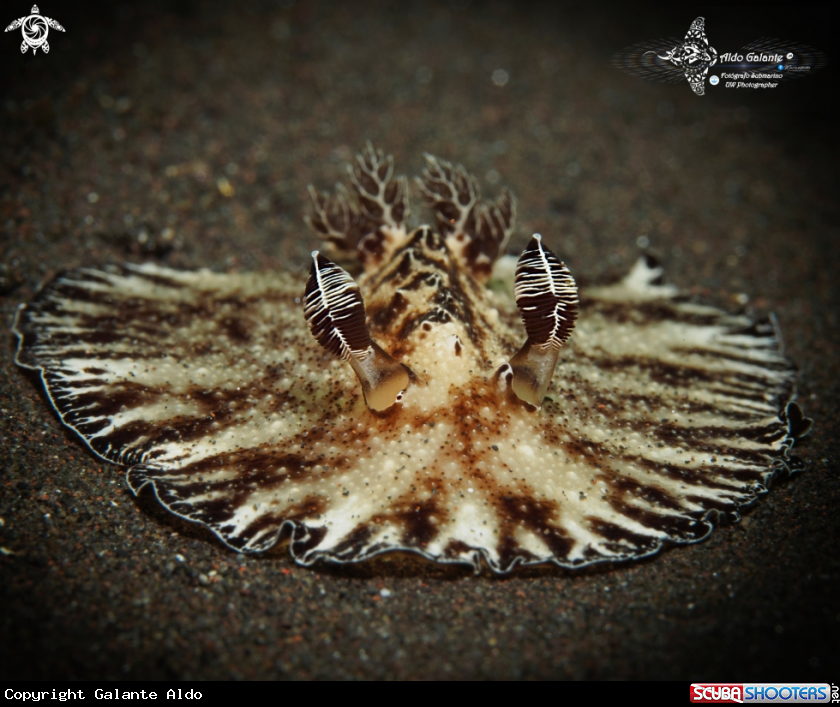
(663, 414)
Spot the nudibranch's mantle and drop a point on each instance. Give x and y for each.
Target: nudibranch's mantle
(661, 414)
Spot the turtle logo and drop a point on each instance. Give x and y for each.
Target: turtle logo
(35, 29)
(694, 55)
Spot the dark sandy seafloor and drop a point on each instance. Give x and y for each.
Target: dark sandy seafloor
(187, 135)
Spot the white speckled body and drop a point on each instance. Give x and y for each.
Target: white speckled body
(661, 412)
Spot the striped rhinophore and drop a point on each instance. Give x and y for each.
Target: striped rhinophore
(334, 310)
(335, 313)
(663, 416)
(546, 295)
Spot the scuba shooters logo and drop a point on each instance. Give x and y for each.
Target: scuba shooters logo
(760, 693)
(714, 692)
(763, 63)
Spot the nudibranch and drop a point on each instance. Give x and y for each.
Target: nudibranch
(414, 408)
